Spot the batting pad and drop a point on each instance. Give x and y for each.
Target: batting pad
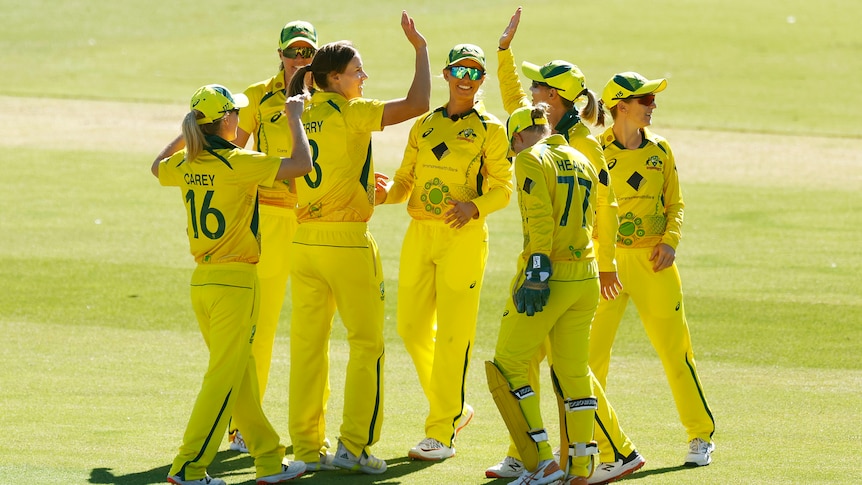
(512, 415)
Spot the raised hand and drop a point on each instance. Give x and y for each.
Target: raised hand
(410, 31)
(509, 33)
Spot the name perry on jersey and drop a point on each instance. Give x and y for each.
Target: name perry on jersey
(199, 179)
(313, 126)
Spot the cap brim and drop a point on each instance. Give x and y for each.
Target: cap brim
(296, 40)
(532, 71)
(653, 86)
(467, 58)
(240, 100)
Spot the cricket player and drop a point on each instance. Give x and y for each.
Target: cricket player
(554, 294)
(559, 84)
(645, 180)
(336, 264)
(454, 173)
(264, 119)
(218, 183)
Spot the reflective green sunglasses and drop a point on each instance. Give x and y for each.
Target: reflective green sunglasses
(460, 71)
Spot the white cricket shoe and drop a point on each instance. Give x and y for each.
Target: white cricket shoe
(288, 472)
(206, 480)
(547, 472)
(430, 449)
(699, 452)
(364, 463)
(324, 463)
(610, 472)
(508, 468)
(237, 443)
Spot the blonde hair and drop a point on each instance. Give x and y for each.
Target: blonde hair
(194, 134)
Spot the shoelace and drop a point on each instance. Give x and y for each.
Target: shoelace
(430, 444)
(371, 461)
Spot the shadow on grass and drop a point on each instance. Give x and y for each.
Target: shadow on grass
(231, 463)
(634, 476)
(225, 464)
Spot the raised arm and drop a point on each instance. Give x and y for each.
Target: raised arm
(419, 96)
(300, 162)
(174, 146)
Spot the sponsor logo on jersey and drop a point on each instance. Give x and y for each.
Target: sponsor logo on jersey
(467, 134)
(654, 163)
(635, 181)
(427, 132)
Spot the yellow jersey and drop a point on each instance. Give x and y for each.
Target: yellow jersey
(340, 187)
(646, 184)
(219, 190)
(265, 120)
(559, 193)
(462, 160)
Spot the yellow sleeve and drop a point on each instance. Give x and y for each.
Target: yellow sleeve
(498, 172)
(607, 222)
(403, 181)
(510, 84)
(248, 116)
(536, 204)
(673, 204)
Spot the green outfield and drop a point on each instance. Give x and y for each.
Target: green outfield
(100, 355)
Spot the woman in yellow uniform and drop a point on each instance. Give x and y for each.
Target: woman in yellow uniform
(553, 297)
(645, 179)
(335, 260)
(454, 173)
(264, 120)
(559, 84)
(218, 183)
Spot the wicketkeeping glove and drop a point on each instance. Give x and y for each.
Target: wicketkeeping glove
(533, 294)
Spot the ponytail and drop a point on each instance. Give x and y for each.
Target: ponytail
(297, 82)
(593, 111)
(194, 134)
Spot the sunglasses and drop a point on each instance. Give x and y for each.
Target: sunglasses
(460, 72)
(645, 100)
(540, 84)
(303, 52)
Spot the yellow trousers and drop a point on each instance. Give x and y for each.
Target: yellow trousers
(335, 265)
(565, 320)
(225, 299)
(658, 299)
(277, 227)
(439, 283)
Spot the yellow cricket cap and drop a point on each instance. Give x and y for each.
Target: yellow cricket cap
(297, 31)
(628, 84)
(521, 119)
(563, 76)
(466, 51)
(214, 100)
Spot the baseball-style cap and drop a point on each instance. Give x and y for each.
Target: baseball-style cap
(521, 119)
(297, 31)
(627, 84)
(466, 51)
(214, 100)
(563, 76)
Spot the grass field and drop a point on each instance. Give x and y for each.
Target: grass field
(100, 356)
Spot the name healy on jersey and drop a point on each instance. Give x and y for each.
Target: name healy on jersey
(203, 179)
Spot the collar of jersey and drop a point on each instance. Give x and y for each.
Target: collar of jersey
(608, 138)
(478, 108)
(569, 119)
(216, 142)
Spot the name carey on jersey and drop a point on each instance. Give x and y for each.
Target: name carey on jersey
(203, 179)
